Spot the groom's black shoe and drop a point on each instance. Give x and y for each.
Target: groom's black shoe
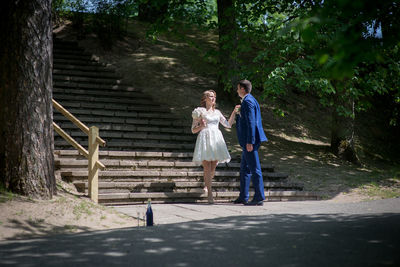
(239, 201)
(255, 203)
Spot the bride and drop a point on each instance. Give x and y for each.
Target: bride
(210, 146)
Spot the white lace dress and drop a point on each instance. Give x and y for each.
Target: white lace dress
(210, 144)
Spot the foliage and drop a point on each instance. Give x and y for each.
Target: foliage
(184, 14)
(110, 20)
(356, 41)
(107, 19)
(352, 32)
(330, 48)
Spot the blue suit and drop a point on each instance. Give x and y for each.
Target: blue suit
(250, 131)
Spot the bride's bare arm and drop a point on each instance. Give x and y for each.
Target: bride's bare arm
(231, 121)
(235, 111)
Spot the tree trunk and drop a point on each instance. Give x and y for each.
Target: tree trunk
(228, 67)
(26, 115)
(342, 131)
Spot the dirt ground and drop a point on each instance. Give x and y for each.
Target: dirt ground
(66, 212)
(176, 74)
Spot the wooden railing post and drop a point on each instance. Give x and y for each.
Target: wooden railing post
(93, 183)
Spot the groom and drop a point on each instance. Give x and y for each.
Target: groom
(250, 134)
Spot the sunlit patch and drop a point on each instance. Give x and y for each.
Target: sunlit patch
(111, 239)
(159, 251)
(333, 164)
(220, 248)
(115, 254)
(153, 240)
(375, 241)
(167, 60)
(310, 158)
(262, 234)
(296, 139)
(200, 242)
(295, 233)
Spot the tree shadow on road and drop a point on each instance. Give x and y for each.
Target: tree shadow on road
(267, 240)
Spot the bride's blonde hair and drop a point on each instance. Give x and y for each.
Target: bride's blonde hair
(204, 97)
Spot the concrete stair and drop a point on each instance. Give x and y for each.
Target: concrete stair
(149, 149)
(133, 177)
(127, 118)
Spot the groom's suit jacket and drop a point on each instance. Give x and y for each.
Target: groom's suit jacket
(248, 124)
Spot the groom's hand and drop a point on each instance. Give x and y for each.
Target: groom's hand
(249, 147)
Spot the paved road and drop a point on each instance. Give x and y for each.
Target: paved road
(179, 213)
(318, 233)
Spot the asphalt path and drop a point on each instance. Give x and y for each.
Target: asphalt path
(310, 233)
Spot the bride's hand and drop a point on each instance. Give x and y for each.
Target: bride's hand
(203, 123)
(237, 109)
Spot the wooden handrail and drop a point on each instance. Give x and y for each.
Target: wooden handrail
(70, 140)
(92, 155)
(75, 121)
(75, 144)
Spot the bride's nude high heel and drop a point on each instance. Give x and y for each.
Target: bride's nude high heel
(210, 198)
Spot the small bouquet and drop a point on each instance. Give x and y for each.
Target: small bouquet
(237, 109)
(198, 113)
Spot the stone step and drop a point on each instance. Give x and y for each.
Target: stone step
(89, 86)
(78, 62)
(139, 155)
(78, 73)
(68, 164)
(82, 68)
(133, 145)
(85, 79)
(126, 129)
(185, 186)
(172, 197)
(60, 49)
(70, 54)
(115, 136)
(65, 43)
(96, 92)
(116, 100)
(134, 112)
(120, 136)
(97, 117)
(68, 50)
(163, 176)
(114, 110)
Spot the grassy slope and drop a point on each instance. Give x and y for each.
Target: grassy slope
(176, 74)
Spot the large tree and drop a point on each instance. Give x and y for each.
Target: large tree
(26, 133)
(227, 43)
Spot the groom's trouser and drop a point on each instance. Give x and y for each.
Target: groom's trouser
(250, 169)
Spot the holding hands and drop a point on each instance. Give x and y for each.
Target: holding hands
(237, 109)
(198, 125)
(202, 123)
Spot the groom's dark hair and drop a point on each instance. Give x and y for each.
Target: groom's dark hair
(246, 85)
